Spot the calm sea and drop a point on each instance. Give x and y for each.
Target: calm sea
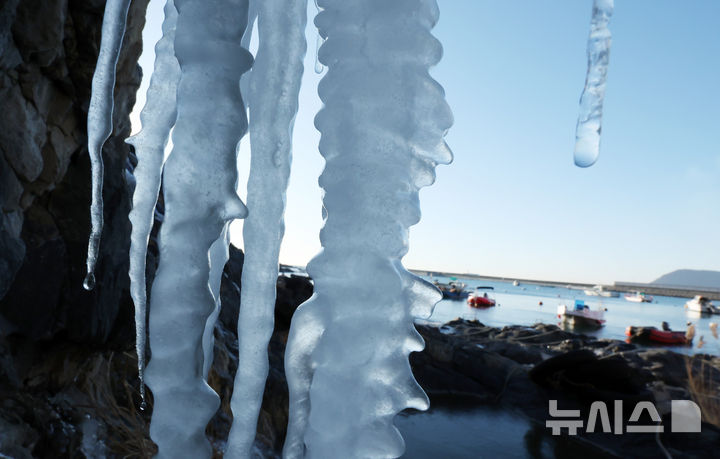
(520, 305)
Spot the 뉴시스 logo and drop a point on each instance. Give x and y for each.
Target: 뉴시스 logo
(685, 417)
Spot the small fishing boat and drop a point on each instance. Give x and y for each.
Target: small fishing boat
(453, 290)
(639, 297)
(516, 283)
(599, 290)
(581, 315)
(702, 305)
(654, 335)
(480, 298)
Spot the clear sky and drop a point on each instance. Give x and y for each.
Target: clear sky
(513, 204)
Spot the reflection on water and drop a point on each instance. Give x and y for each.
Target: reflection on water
(520, 305)
(459, 427)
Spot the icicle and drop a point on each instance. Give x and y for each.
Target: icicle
(382, 132)
(273, 99)
(199, 189)
(589, 125)
(100, 122)
(318, 43)
(245, 42)
(158, 117)
(219, 254)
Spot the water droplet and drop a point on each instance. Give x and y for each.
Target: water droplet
(143, 405)
(89, 282)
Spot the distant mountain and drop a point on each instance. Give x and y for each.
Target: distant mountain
(690, 278)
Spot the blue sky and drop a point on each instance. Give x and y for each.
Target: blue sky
(512, 203)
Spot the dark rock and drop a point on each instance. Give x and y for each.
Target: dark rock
(48, 55)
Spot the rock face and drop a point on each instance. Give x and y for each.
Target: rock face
(48, 50)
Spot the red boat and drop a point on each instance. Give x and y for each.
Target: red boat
(654, 335)
(480, 299)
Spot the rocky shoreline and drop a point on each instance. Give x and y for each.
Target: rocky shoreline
(523, 368)
(61, 399)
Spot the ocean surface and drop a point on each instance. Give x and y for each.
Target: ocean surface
(461, 428)
(520, 305)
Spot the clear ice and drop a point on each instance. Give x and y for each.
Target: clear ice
(589, 125)
(273, 87)
(382, 128)
(100, 123)
(158, 117)
(199, 189)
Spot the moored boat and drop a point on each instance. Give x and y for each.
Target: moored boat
(639, 297)
(599, 290)
(702, 305)
(657, 336)
(480, 298)
(581, 315)
(452, 290)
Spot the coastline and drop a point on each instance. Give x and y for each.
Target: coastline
(621, 287)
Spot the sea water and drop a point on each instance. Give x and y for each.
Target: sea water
(460, 427)
(520, 305)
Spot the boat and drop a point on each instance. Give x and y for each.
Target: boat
(452, 290)
(654, 335)
(599, 290)
(702, 305)
(639, 297)
(581, 315)
(516, 283)
(480, 298)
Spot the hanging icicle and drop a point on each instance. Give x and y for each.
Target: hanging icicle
(273, 98)
(382, 132)
(319, 40)
(158, 117)
(199, 189)
(100, 119)
(589, 125)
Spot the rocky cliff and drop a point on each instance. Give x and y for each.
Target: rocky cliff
(48, 50)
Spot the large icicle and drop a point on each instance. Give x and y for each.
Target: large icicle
(199, 188)
(100, 122)
(273, 98)
(382, 135)
(158, 117)
(589, 125)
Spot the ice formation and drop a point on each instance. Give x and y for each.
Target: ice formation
(382, 129)
(158, 117)
(273, 87)
(589, 125)
(100, 121)
(199, 189)
(382, 136)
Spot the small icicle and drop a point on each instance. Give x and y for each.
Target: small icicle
(589, 125)
(157, 116)
(99, 124)
(318, 44)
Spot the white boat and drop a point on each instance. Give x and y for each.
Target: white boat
(599, 290)
(702, 305)
(639, 297)
(516, 283)
(581, 315)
